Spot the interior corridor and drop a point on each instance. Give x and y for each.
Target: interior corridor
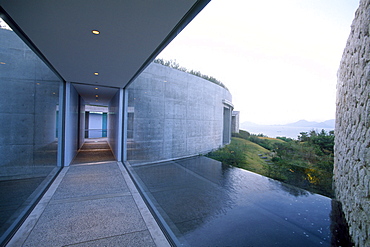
(94, 150)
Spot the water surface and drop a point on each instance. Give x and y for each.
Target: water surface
(206, 203)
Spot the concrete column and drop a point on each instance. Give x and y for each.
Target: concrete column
(67, 127)
(124, 127)
(71, 123)
(120, 131)
(61, 124)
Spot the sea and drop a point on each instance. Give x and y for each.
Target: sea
(281, 130)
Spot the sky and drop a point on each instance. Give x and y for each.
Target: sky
(279, 59)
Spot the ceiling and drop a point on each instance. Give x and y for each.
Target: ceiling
(132, 33)
(95, 95)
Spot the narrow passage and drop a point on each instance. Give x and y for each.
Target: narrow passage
(94, 150)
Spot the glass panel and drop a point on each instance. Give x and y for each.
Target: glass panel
(172, 114)
(29, 116)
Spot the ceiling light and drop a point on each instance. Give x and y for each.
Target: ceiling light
(2, 63)
(96, 32)
(96, 73)
(96, 88)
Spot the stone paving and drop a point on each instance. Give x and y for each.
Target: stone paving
(91, 204)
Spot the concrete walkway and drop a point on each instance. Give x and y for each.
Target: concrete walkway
(91, 204)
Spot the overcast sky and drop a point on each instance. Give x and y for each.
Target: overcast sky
(279, 59)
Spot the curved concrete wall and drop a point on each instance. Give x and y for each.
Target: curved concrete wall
(174, 114)
(352, 134)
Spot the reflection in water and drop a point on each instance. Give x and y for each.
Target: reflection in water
(307, 178)
(206, 203)
(339, 227)
(294, 191)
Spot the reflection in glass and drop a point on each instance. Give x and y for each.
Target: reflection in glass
(28, 131)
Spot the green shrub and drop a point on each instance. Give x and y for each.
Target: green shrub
(232, 154)
(175, 65)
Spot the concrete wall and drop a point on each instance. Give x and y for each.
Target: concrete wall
(28, 108)
(173, 114)
(235, 122)
(352, 133)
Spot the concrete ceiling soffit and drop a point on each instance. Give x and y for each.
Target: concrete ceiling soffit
(95, 95)
(132, 33)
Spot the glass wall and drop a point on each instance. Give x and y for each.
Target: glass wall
(28, 131)
(173, 114)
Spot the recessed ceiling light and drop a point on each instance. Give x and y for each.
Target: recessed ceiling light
(96, 73)
(96, 88)
(96, 32)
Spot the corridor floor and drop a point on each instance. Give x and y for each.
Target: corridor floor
(91, 204)
(94, 150)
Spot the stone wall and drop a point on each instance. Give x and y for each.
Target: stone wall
(352, 141)
(173, 114)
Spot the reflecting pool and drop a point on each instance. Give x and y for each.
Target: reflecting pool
(202, 202)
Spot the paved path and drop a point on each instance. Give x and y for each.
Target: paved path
(91, 204)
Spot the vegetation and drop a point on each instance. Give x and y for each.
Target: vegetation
(306, 162)
(243, 154)
(175, 65)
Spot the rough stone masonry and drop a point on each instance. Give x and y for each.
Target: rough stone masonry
(352, 130)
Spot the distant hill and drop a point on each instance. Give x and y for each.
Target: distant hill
(304, 123)
(330, 123)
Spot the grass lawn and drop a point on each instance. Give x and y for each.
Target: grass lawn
(273, 140)
(253, 154)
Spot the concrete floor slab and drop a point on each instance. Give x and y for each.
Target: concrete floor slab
(91, 204)
(90, 180)
(141, 238)
(75, 222)
(98, 156)
(94, 150)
